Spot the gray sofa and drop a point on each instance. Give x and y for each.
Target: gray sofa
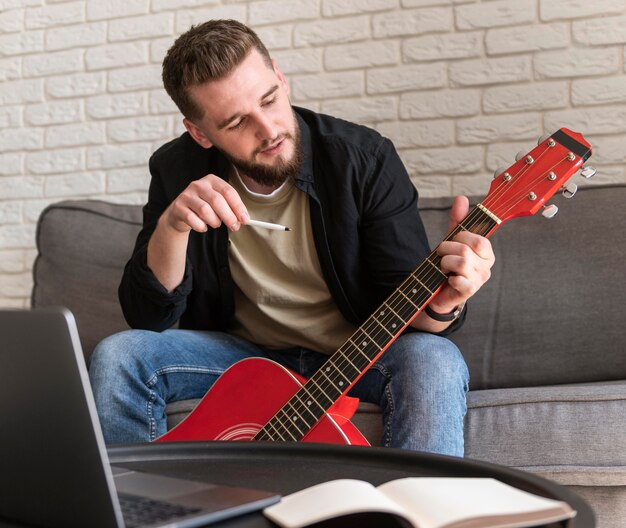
(545, 338)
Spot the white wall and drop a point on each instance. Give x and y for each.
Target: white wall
(460, 86)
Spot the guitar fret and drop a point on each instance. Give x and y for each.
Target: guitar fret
(314, 382)
(407, 298)
(292, 420)
(358, 349)
(397, 315)
(371, 339)
(445, 277)
(384, 327)
(309, 401)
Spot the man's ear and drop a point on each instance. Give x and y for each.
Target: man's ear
(197, 134)
(280, 76)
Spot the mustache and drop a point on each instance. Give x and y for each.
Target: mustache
(269, 142)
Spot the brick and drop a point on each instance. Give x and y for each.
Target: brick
(109, 106)
(490, 71)
(145, 26)
(527, 38)
(55, 15)
(10, 69)
(496, 13)
(362, 55)
(275, 37)
(99, 10)
(487, 129)
(186, 18)
(439, 103)
(600, 31)
(10, 116)
(12, 21)
(335, 8)
(17, 187)
(159, 47)
(599, 91)
(75, 85)
(439, 47)
(56, 161)
(10, 164)
(609, 150)
(503, 154)
(11, 260)
(412, 22)
(73, 37)
(13, 139)
(173, 5)
(535, 96)
(590, 120)
(432, 186)
(327, 85)
(577, 63)
(20, 92)
(17, 284)
(425, 134)
(53, 113)
(471, 185)
(117, 156)
(15, 4)
(277, 11)
(140, 129)
(161, 103)
(403, 78)
(77, 184)
(453, 160)
(21, 43)
(334, 31)
(52, 63)
(371, 109)
(303, 60)
(10, 213)
(137, 78)
(32, 211)
(128, 180)
(75, 135)
(116, 55)
(568, 9)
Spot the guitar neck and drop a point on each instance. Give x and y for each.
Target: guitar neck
(341, 371)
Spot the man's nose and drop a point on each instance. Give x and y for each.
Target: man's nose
(265, 127)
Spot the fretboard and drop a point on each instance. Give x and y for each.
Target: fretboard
(343, 368)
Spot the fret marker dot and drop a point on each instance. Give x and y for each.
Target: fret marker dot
(382, 313)
(364, 343)
(327, 369)
(414, 290)
(393, 325)
(340, 383)
(309, 402)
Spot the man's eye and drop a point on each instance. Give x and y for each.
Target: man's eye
(238, 125)
(269, 102)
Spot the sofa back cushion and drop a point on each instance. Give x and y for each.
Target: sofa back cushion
(551, 313)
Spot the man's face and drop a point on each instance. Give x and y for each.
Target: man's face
(247, 115)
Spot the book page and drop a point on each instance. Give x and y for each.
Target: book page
(328, 500)
(465, 502)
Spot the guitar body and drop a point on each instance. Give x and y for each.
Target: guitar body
(245, 398)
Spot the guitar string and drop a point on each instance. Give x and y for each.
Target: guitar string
(389, 336)
(373, 322)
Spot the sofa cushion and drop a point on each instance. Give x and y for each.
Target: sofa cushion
(521, 427)
(82, 249)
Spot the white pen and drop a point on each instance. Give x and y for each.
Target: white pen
(267, 225)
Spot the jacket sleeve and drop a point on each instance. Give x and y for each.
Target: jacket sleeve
(145, 302)
(396, 238)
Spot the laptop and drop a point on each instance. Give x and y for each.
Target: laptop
(54, 467)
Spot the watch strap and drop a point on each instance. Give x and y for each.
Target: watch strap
(444, 318)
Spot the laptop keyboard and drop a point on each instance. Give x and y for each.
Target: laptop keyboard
(142, 511)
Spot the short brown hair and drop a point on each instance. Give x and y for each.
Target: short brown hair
(207, 52)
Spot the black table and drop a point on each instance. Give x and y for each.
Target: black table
(288, 467)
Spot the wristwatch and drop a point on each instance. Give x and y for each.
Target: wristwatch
(444, 318)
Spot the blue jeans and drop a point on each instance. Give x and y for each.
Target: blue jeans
(420, 383)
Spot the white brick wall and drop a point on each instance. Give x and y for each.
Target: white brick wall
(459, 85)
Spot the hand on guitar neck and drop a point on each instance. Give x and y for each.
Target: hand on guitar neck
(467, 259)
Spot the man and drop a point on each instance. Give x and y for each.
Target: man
(239, 291)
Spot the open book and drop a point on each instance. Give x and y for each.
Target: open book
(421, 502)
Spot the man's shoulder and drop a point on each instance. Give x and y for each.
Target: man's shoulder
(183, 145)
(335, 132)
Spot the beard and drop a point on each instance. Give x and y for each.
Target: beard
(271, 175)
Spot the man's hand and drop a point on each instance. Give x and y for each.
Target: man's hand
(467, 259)
(207, 202)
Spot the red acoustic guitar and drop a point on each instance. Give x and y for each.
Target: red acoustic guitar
(257, 399)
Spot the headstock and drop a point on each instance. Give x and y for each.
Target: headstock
(524, 187)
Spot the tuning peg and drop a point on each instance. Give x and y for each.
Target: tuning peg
(549, 210)
(543, 138)
(569, 190)
(588, 172)
(519, 155)
(498, 171)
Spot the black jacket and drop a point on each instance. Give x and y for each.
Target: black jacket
(368, 232)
